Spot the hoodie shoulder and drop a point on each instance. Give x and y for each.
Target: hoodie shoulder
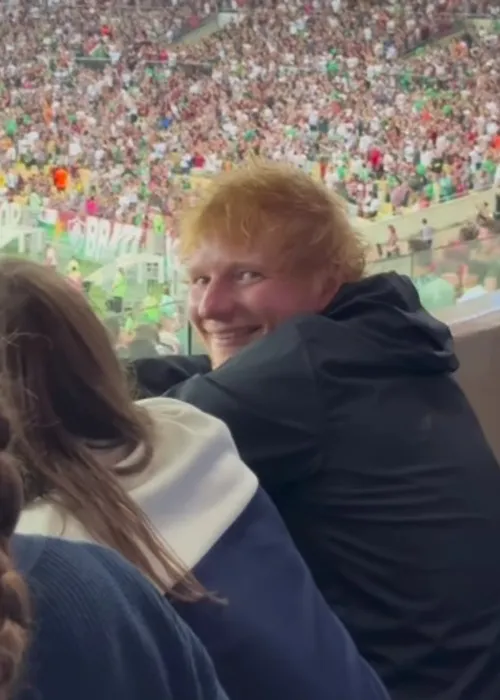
(377, 326)
(153, 376)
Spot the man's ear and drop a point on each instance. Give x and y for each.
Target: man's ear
(325, 287)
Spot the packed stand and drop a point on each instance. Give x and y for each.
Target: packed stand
(73, 95)
(132, 117)
(383, 127)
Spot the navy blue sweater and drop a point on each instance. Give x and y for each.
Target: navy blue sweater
(102, 632)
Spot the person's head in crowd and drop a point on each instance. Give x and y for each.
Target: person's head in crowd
(265, 244)
(144, 343)
(147, 331)
(475, 275)
(468, 232)
(68, 392)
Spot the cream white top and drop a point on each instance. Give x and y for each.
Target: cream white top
(193, 489)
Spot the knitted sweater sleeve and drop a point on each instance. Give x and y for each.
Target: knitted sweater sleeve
(103, 632)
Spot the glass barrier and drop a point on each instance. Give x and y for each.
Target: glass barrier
(139, 291)
(153, 323)
(450, 274)
(133, 284)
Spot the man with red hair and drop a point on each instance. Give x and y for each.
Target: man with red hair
(339, 391)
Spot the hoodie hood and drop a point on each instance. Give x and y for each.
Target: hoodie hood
(385, 325)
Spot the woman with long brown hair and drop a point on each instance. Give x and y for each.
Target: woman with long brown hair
(161, 482)
(77, 621)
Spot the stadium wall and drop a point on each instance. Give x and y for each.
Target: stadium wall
(440, 216)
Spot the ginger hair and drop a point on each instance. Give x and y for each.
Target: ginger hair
(14, 597)
(281, 210)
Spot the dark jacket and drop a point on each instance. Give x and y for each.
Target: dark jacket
(357, 429)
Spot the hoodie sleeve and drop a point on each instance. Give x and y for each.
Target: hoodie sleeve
(279, 439)
(103, 631)
(155, 376)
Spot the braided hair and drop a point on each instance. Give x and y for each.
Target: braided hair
(14, 599)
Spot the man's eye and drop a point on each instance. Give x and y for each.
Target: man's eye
(200, 281)
(249, 276)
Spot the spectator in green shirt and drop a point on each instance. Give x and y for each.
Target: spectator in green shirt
(490, 167)
(435, 292)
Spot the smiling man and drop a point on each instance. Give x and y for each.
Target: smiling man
(239, 295)
(245, 276)
(339, 391)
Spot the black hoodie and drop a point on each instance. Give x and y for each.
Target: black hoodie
(355, 426)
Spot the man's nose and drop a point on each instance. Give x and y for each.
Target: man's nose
(216, 303)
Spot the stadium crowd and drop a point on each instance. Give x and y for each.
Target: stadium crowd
(309, 509)
(133, 117)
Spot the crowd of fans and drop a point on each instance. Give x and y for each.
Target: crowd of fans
(306, 508)
(107, 94)
(385, 128)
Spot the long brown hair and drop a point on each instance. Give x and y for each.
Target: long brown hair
(66, 387)
(14, 598)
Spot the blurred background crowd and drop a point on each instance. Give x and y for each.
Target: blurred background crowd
(137, 119)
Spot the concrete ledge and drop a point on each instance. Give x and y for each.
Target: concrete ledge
(475, 326)
(440, 216)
